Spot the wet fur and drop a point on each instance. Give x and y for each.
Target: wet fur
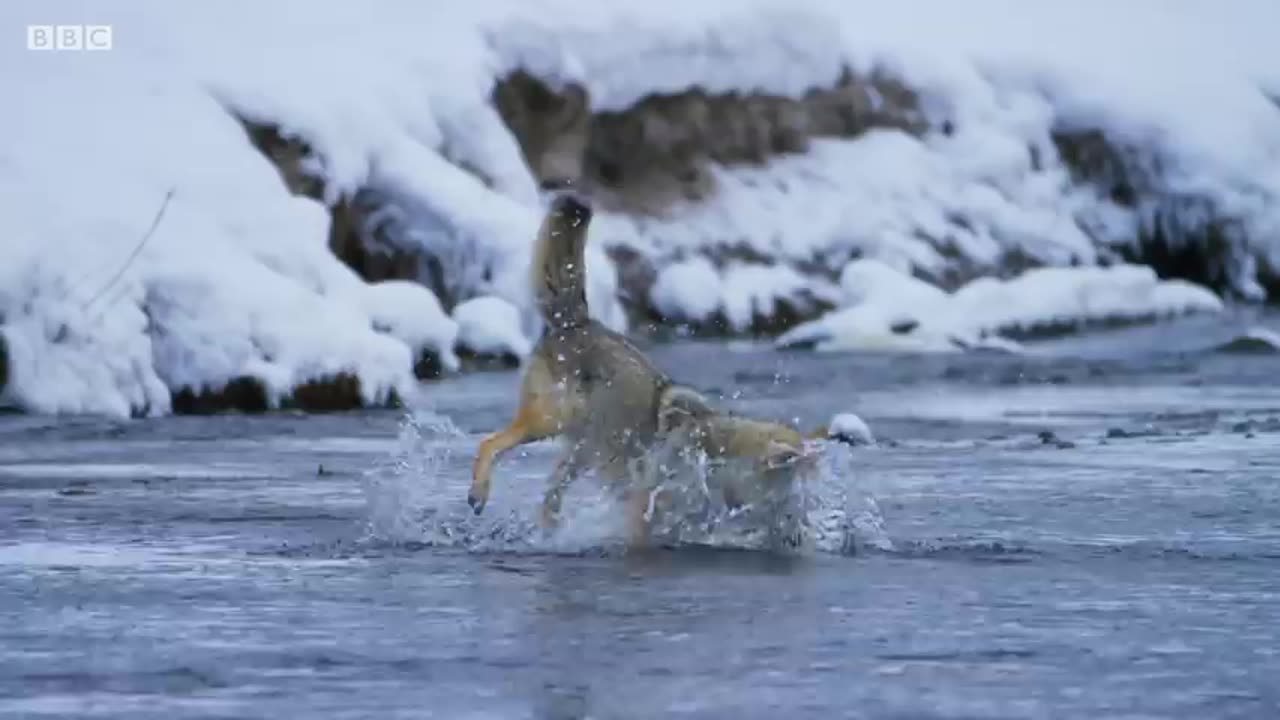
(778, 453)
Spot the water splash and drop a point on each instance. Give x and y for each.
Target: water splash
(416, 497)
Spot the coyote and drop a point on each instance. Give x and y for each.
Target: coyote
(591, 386)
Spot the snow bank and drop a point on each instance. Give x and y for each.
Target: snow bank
(1054, 298)
(239, 280)
(1010, 87)
(912, 316)
(236, 281)
(1202, 128)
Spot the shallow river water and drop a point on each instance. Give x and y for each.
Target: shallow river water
(1089, 530)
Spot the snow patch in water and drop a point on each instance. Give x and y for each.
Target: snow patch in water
(848, 427)
(1256, 340)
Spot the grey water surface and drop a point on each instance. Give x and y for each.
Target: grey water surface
(1088, 530)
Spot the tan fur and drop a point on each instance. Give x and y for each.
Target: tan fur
(777, 452)
(558, 274)
(583, 381)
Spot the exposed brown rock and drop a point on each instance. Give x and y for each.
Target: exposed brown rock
(357, 241)
(292, 157)
(658, 151)
(551, 125)
(289, 154)
(428, 366)
(331, 394)
(248, 395)
(365, 251)
(1093, 159)
(244, 394)
(1179, 236)
(661, 150)
(477, 362)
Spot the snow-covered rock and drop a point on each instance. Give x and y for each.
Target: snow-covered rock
(864, 280)
(491, 326)
(688, 291)
(912, 316)
(1055, 298)
(849, 428)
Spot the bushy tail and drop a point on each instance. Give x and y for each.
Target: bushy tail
(559, 273)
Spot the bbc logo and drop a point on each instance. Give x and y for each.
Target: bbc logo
(68, 37)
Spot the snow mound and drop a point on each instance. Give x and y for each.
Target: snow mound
(913, 316)
(862, 280)
(491, 326)
(237, 280)
(1049, 298)
(688, 291)
(402, 310)
(743, 297)
(755, 293)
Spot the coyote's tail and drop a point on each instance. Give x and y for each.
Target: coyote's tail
(559, 273)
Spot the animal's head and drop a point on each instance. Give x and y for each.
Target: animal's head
(788, 449)
(681, 408)
(570, 209)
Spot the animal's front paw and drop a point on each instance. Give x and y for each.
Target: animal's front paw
(476, 501)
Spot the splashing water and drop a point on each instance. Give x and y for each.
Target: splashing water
(416, 497)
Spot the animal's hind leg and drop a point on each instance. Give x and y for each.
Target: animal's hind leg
(537, 418)
(565, 473)
(639, 505)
